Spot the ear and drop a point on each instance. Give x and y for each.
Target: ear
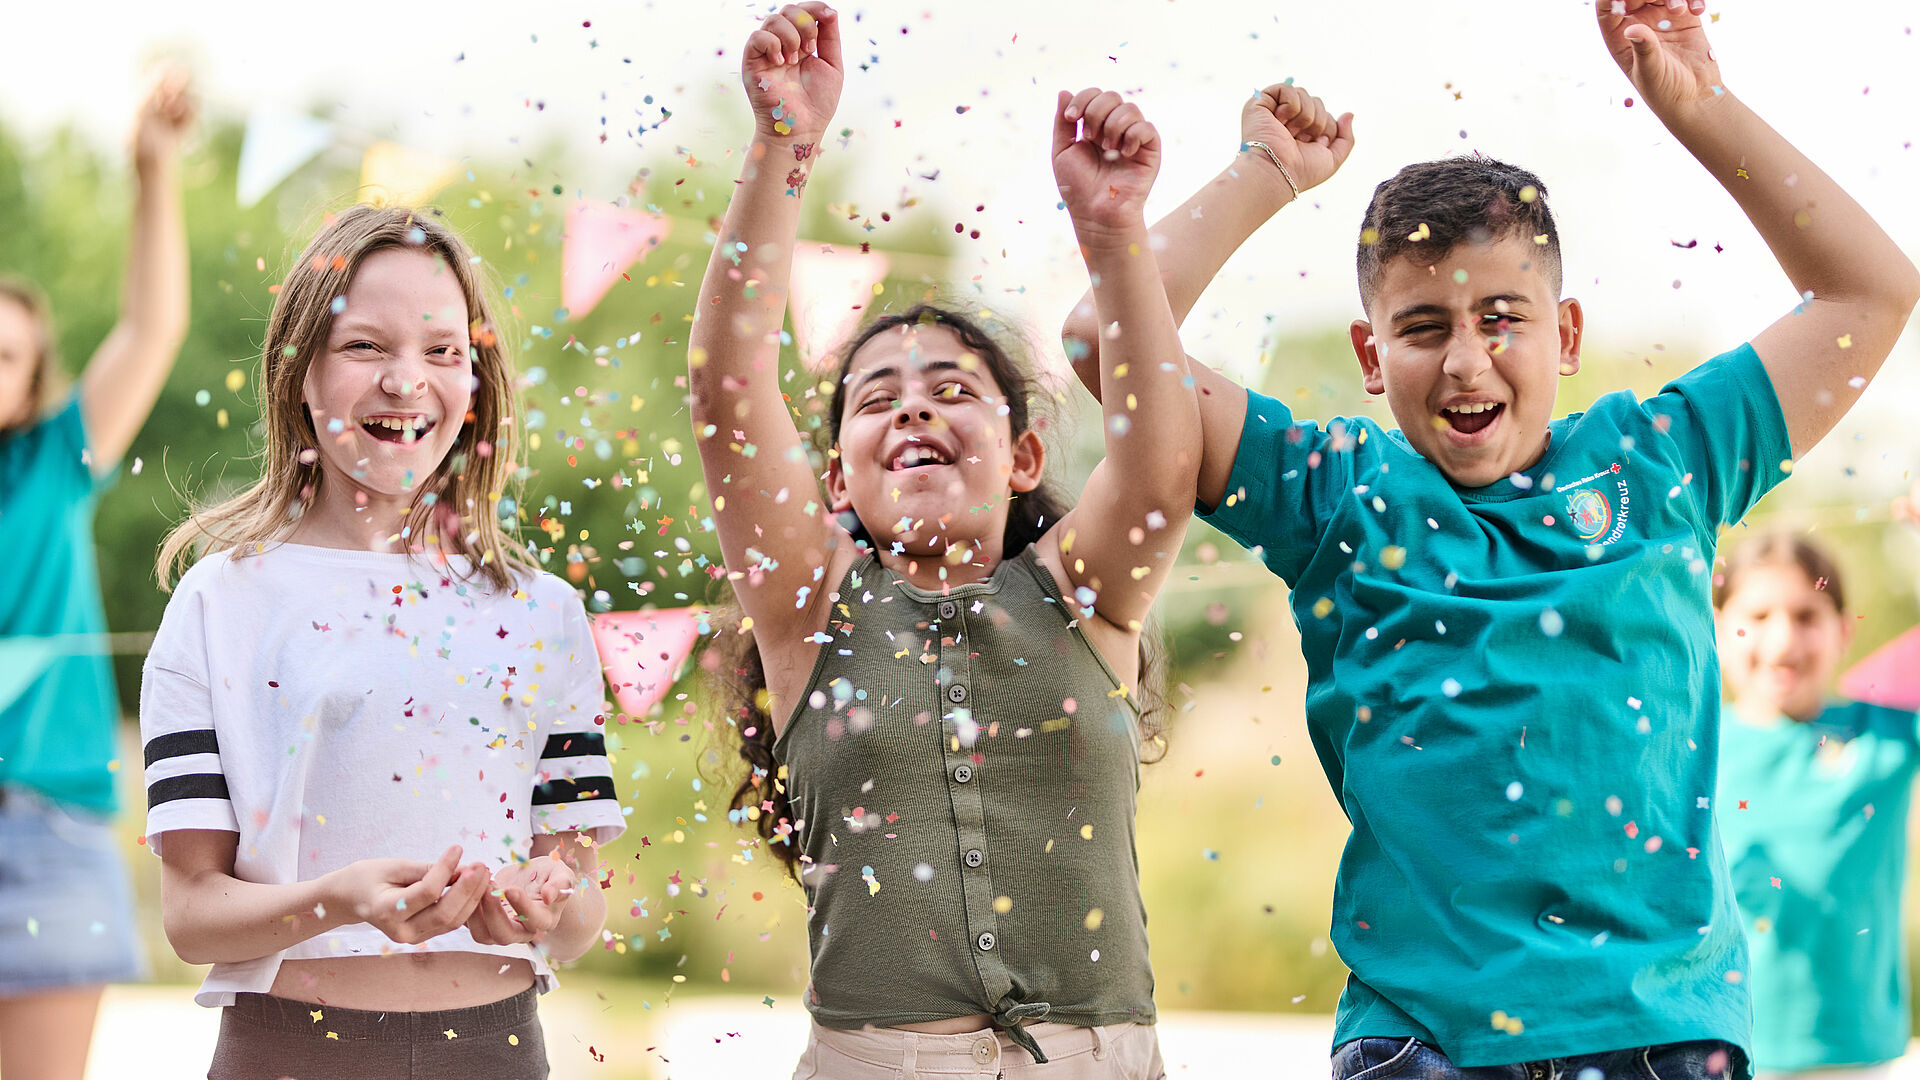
(1572, 321)
(1029, 461)
(1368, 353)
(838, 500)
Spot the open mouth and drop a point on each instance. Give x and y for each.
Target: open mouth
(1468, 419)
(397, 429)
(914, 455)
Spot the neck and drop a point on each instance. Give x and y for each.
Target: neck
(942, 570)
(334, 521)
(1767, 713)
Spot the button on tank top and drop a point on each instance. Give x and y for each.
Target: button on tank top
(965, 770)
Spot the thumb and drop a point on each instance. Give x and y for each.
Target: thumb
(1644, 41)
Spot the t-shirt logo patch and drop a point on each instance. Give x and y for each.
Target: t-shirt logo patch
(1592, 513)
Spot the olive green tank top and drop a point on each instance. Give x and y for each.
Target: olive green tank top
(964, 772)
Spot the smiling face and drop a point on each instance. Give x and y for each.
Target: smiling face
(927, 454)
(1467, 352)
(391, 385)
(1781, 639)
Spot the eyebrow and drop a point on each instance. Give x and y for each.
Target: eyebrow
(891, 371)
(351, 326)
(1441, 311)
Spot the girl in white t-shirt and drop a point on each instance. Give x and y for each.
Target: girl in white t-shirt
(363, 681)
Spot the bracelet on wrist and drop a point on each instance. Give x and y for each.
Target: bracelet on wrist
(1275, 158)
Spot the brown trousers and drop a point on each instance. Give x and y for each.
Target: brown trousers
(270, 1038)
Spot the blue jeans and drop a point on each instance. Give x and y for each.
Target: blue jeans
(1411, 1059)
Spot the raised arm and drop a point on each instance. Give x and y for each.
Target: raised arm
(773, 529)
(212, 917)
(1862, 287)
(123, 379)
(1120, 540)
(1194, 242)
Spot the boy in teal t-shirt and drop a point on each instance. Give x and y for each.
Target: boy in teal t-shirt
(1505, 617)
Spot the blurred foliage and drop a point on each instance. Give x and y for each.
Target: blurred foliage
(1239, 837)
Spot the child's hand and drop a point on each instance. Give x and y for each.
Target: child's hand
(792, 73)
(525, 902)
(1662, 47)
(164, 119)
(1105, 156)
(410, 901)
(1303, 133)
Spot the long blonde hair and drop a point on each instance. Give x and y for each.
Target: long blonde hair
(458, 505)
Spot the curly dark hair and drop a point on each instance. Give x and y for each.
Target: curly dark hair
(741, 679)
(1427, 209)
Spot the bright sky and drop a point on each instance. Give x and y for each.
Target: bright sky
(1526, 80)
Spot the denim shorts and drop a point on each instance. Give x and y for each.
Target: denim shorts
(1411, 1059)
(66, 909)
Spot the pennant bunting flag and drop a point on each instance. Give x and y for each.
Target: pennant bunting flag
(830, 290)
(1889, 676)
(602, 241)
(276, 144)
(643, 652)
(395, 175)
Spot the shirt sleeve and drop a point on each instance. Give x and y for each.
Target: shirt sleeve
(58, 442)
(1285, 476)
(186, 785)
(1732, 437)
(573, 788)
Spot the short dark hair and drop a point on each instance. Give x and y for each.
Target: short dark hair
(1781, 549)
(1429, 208)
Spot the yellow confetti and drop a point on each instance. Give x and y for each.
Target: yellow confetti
(1393, 557)
(1094, 918)
(1845, 341)
(1086, 832)
(236, 379)
(1002, 904)
(513, 1040)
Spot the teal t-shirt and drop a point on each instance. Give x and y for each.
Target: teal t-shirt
(1814, 819)
(57, 703)
(1514, 693)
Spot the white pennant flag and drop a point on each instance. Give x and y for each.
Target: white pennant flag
(830, 292)
(277, 142)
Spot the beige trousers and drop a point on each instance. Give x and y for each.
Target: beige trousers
(1119, 1052)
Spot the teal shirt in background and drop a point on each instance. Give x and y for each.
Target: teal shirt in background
(1514, 693)
(1814, 819)
(57, 702)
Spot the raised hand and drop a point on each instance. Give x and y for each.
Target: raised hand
(524, 902)
(1105, 156)
(164, 119)
(411, 901)
(1662, 46)
(1302, 132)
(793, 73)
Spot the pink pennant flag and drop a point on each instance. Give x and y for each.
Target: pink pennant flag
(602, 241)
(830, 291)
(643, 653)
(1889, 676)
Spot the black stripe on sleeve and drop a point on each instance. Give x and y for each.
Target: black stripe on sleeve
(579, 789)
(182, 743)
(191, 786)
(575, 744)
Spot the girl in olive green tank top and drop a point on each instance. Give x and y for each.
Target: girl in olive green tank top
(946, 741)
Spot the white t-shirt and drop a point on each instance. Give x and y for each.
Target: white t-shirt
(333, 705)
